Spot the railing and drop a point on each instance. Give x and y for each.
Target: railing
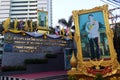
(12, 78)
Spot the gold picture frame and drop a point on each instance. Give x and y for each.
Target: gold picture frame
(42, 18)
(105, 42)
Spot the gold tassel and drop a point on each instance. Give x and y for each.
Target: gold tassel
(6, 24)
(44, 36)
(15, 24)
(31, 27)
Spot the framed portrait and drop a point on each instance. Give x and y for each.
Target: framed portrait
(42, 18)
(94, 37)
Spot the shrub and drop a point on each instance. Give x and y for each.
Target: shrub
(13, 68)
(72, 78)
(99, 77)
(35, 61)
(51, 55)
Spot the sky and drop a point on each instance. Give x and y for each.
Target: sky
(64, 8)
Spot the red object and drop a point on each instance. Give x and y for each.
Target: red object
(40, 75)
(104, 71)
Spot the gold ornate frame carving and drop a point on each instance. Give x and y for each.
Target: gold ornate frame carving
(42, 25)
(83, 65)
(44, 15)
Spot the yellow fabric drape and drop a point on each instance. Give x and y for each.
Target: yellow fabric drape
(70, 34)
(6, 24)
(62, 32)
(31, 27)
(15, 24)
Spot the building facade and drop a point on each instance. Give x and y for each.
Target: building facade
(46, 5)
(4, 9)
(25, 9)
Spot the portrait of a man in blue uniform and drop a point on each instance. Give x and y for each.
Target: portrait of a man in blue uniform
(93, 36)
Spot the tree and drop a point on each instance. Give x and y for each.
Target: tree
(71, 27)
(116, 40)
(34, 25)
(67, 24)
(1, 29)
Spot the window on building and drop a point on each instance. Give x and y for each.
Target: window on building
(19, 10)
(33, 1)
(19, 6)
(33, 5)
(20, 2)
(32, 13)
(33, 17)
(32, 9)
(20, 14)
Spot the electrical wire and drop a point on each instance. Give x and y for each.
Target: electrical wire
(109, 3)
(114, 2)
